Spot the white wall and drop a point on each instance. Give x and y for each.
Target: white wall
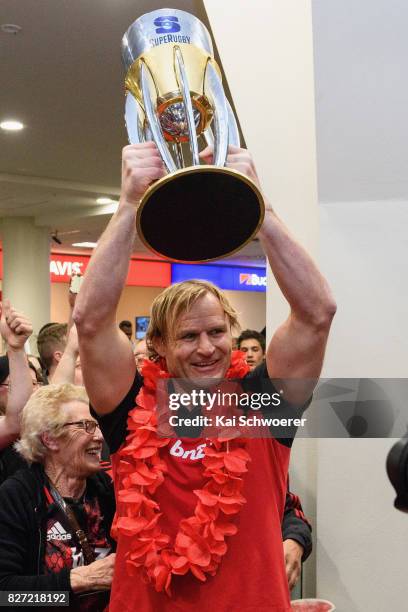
(362, 539)
(364, 251)
(251, 308)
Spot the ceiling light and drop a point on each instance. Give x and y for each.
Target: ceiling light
(10, 28)
(11, 125)
(105, 200)
(85, 245)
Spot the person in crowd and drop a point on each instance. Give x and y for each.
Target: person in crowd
(36, 375)
(141, 353)
(44, 327)
(252, 343)
(69, 366)
(51, 343)
(52, 339)
(36, 363)
(69, 370)
(296, 536)
(126, 327)
(16, 381)
(10, 459)
(56, 515)
(4, 383)
(181, 544)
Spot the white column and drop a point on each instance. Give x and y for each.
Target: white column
(266, 49)
(26, 270)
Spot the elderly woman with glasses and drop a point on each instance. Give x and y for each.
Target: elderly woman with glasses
(55, 515)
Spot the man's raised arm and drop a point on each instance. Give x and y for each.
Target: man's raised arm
(106, 354)
(296, 351)
(15, 329)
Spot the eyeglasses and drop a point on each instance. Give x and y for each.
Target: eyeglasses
(89, 426)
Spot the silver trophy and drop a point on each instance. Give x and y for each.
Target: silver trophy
(174, 96)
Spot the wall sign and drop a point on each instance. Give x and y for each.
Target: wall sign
(141, 273)
(236, 278)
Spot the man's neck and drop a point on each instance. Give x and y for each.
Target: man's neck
(51, 371)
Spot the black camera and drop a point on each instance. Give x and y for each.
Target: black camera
(397, 470)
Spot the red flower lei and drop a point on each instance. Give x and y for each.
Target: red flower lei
(200, 544)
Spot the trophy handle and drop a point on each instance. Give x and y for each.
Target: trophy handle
(208, 137)
(132, 119)
(233, 132)
(220, 114)
(154, 123)
(182, 81)
(147, 133)
(178, 154)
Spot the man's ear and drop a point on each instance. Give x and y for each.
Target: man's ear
(159, 346)
(57, 356)
(49, 441)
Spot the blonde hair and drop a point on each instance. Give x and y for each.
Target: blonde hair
(177, 299)
(43, 413)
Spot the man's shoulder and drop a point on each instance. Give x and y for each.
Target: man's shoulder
(114, 424)
(126, 403)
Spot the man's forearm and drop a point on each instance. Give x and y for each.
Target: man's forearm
(65, 370)
(298, 277)
(106, 274)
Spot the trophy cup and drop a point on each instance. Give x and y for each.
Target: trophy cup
(174, 96)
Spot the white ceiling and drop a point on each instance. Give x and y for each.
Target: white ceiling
(62, 76)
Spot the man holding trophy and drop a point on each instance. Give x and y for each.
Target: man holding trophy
(198, 520)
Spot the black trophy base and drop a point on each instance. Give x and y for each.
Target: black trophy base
(200, 214)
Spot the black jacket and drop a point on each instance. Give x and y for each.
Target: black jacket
(23, 512)
(10, 463)
(295, 525)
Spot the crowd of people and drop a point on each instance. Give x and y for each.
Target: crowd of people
(93, 501)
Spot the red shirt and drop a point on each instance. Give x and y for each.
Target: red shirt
(251, 576)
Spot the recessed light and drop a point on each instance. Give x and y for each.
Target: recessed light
(85, 245)
(11, 126)
(10, 28)
(105, 200)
